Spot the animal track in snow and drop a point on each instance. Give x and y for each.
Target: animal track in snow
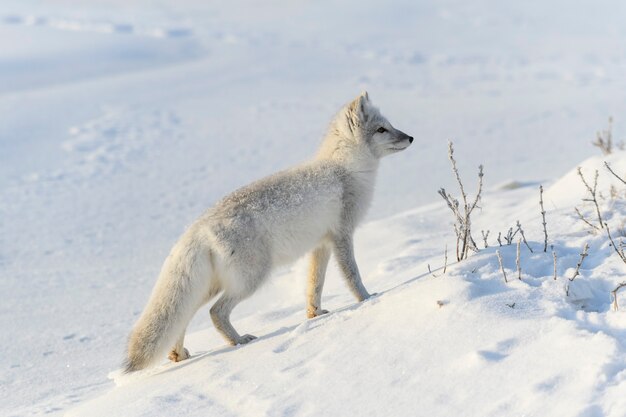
(300, 329)
(500, 351)
(117, 138)
(96, 26)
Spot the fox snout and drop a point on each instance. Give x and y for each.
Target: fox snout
(403, 137)
(399, 142)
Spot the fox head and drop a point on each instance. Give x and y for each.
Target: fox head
(360, 132)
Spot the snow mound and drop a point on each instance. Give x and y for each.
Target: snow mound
(466, 342)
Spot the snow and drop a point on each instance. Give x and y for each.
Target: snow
(123, 121)
(465, 342)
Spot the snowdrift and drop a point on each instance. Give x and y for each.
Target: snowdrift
(461, 343)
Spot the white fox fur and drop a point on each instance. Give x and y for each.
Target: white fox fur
(234, 246)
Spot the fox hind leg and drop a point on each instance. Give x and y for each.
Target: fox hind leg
(179, 352)
(220, 314)
(249, 279)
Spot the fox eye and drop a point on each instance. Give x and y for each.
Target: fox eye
(381, 130)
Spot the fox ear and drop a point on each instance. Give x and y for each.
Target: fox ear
(359, 107)
(363, 100)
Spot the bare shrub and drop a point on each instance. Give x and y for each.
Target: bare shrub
(604, 140)
(462, 213)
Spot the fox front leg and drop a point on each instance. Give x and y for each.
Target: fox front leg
(344, 252)
(317, 274)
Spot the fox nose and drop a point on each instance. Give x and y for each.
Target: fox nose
(410, 139)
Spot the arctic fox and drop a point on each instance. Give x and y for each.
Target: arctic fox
(233, 247)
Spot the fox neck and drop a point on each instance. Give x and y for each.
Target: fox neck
(350, 153)
(363, 182)
(360, 164)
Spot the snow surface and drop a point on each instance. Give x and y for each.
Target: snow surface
(460, 343)
(122, 121)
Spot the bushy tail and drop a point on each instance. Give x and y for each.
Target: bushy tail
(183, 286)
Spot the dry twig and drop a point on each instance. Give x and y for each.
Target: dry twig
(518, 261)
(501, 265)
(606, 164)
(510, 235)
(620, 250)
(445, 264)
(583, 255)
(593, 192)
(543, 216)
(581, 217)
(614, 294)
(521, 231)
(431, 272)
(554, 256)
(458, 240)
(485, 236)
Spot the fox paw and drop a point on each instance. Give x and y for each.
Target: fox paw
(246, 338)
(366, 296)
(179, 356)
(311, 314)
